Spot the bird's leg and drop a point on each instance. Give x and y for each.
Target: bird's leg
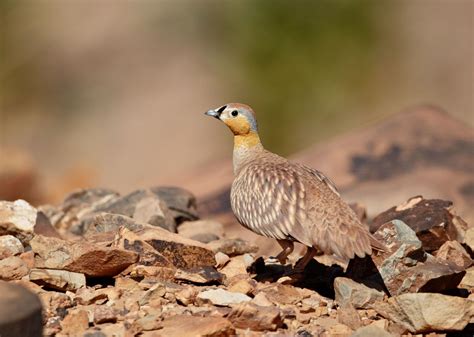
(288, 247)
(301, 264)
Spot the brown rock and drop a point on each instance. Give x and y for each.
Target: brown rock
(10, 246)
(233, 247)
(245, 286)
(371, 331)
(427, 312)
(221, 297)
(237, 266)
(20, 312)
(17, 218)
(256, 318)
(432, 220)
(54, 302)
(87, 296)
(202, 275)
(349, 316)
(104, 314)
(192, 326)
(454, 252)
(81, 257)
(221, 259)
(12, 268)
(469, 239)
(197, 230)
(350, 292)
(153, 211)
(468, 280)
(58, 279)
(75, 322)
(181, 202)
(187, 295)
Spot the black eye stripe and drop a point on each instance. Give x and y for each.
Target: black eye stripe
(221, 109)
(235, 113)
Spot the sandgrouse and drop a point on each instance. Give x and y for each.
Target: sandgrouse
(287, 201)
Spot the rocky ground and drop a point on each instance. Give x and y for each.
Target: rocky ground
(144, 264)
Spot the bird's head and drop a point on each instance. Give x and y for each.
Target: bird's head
(240, 118)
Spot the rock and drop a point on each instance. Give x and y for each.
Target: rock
(12, 268)
(349, 316)
(180, 252)
(281, 294)
(469, 240)
(20, 312)
(255, 318)
(349, 292)
(454, 252)
(371, 331)
(468, 280)
(340, 330)
(154, 211)
(237, 266)
(17, 218)
(187, 295)
(58, 279)
(244, 286)
(233, 247)
(425, 312)
(261, 300)
(81, 257)
(104, 314)
(405, 267)
(202, 229)
(181, 202)
(87, 296)
(221, 297)
(431, 220)
(193, 326)
(111, 223)
(203, 275)
(75, 322)
(221, 259)
(10, 246)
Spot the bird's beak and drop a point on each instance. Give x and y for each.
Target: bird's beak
(213, 113)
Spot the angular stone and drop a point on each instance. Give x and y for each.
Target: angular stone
(371, 331)
(348, 315)
(237, 266)
(180, 252)
(203, 275)
(350, 292)
(12, 268)
(425, 312)
(104, 314)
(454, 252)
(153, 211)
(58, 279)
(221, 297)
(233, 247)
(194, 326)
(468, 280)
(256, 318)
(245, 286)
(111, 223)
(201, 229)
(10, 246)
(181, 202)
(221, 259)
(431, 220)
(17, 218)
(81, 257)
(281, 294)
(20, 312)
(75, 322)
(405, 267)
(469, 239)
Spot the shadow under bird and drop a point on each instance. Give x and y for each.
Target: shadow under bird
(288, 201)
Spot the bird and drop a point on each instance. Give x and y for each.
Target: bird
(288, 201)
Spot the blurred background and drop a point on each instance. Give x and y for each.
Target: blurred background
(102, 93)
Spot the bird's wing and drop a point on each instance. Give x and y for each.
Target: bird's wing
(269, 199)
(332, 224)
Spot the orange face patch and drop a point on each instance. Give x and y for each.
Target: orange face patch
(238, 125)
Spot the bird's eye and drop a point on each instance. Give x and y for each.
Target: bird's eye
(235, 113)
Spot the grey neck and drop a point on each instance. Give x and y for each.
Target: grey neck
(244, 155)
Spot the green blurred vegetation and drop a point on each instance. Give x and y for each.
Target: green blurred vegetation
(301, 64)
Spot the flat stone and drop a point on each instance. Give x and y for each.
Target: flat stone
(245, 286)
(81, 257)
(202, 275)
(10, 246)
(75, 322)
(17, 218)
(425, 312)
(153, 211)
(468, 280)
(221, 297)
(20, 312)
(281, 294)
(371, 331)
(255, 318)
(431, 220)
(221, 259)
(12, 268)
(87, 296)
(454, 252)
(54, 302)
(233, 247)
(104, 314)
(350, 292)
(108, 222)
(348, 315)
(469, 239)
(58, 279)
(237, 266)
(193, 326)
